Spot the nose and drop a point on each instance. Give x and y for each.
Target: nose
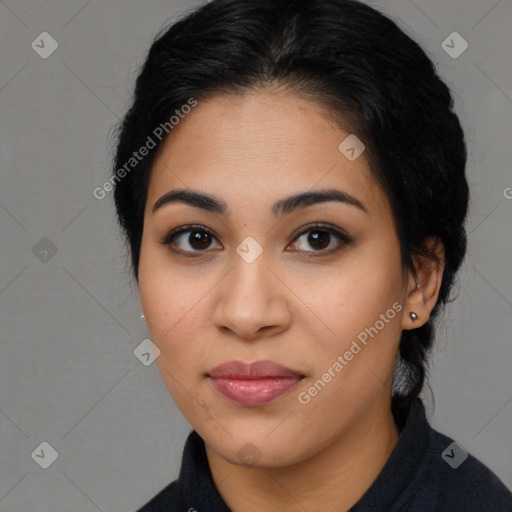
(253, 302)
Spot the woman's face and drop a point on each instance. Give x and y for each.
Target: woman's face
(263, 283)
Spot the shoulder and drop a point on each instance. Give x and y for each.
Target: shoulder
(167, 499)
(457, 481)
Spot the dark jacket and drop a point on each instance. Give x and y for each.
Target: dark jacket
(426, 472)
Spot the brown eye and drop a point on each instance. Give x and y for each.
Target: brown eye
(319, 239)
(195, 240)
(199, 240)
(190, 239)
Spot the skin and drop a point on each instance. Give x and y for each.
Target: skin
(301, 312)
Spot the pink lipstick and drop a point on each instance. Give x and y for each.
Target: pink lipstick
(253, 384)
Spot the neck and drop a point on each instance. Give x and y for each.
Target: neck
(333, 479)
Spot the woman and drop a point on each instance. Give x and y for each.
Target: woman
(291, 182)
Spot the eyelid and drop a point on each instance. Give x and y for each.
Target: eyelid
(339, 233)
(167, 239)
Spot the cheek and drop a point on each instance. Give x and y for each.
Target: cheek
(162, 291)
(171, 318)
(360, 305)
(355, 296)
(174, 303)
(162, 299)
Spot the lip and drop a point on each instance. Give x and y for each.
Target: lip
(253, 384)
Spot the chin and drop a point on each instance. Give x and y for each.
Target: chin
(256, 448)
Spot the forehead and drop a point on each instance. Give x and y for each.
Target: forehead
(260, 146)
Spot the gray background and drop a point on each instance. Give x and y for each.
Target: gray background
(70, 321)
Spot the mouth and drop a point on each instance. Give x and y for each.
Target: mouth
(253, 384)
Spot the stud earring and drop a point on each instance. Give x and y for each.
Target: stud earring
(413, 315)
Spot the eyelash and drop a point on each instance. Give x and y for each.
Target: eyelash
(342, 237)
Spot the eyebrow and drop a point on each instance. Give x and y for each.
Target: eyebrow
(279, 209)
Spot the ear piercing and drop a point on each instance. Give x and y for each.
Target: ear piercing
(412, 314)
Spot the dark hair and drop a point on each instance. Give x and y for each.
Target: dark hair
(367, 73)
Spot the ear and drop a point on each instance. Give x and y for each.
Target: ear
(423, 285)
